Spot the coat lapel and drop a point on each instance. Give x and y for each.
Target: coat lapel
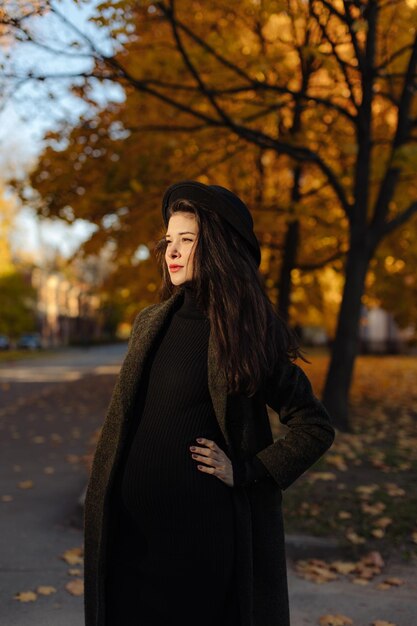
(143, 336)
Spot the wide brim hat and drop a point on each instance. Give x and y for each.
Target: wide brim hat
(226, 203)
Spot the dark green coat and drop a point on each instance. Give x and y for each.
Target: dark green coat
(261, 564)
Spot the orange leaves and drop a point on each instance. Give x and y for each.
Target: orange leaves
(315, 570)
(337, 461)
(72, 556)
(31, 596)
(313, 476)
(75, 587)
(25, 484)
(335, 620)
(358, 572)
(25, 596)
(45, 590)
(392, 581)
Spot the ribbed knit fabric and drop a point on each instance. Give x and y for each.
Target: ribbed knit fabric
(172, 546)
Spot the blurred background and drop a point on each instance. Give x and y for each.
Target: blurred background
(305, 109)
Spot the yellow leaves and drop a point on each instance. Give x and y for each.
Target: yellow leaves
(75, 587)
(25, 484)
(383, 522)
(354, 537)
(25, 596)
(335, 620)
(337, 460)
(344, 567)
(392, 581)
(315, 570)
(344, 515)
(365, 491)
(45, 590)
(373, 509)
(278, 25)
(359, 572)
(73, 556)
(394, 490)
(313, 476)
(38, 439)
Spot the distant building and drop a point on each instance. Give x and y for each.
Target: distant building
(66, 312)
(379, 333)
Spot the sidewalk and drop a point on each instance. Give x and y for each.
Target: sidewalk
(49, 426)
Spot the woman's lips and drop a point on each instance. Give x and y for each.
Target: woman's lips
(176, 268)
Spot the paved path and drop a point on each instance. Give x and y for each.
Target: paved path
(49, 407)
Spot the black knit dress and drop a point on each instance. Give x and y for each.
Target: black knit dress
(171, 551)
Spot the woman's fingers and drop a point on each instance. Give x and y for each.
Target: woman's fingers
(217, 462)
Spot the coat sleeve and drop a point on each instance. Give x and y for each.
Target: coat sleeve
(289, 393)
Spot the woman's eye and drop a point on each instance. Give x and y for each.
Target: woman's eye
(183, 239)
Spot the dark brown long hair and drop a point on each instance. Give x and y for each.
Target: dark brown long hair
(249, 335)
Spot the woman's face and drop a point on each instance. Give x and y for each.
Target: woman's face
(181, 237)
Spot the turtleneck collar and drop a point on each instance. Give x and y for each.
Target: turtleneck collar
(189, 307)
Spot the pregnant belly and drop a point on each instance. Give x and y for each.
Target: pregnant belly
(162, 484)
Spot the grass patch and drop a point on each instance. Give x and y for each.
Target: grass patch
(362, 491)
(17, 355)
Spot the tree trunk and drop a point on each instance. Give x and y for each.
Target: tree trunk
(346, 343)
(288, 263)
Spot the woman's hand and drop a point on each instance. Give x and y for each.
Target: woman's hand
(217, 462)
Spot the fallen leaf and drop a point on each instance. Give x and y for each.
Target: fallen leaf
(25, 596)
(394, 581)
(75, 587)
(45, 590)
(38, 439)
(322, 476)
(343, 567)
(360, 581)
(25, 484)
(354, 537)
(73, 556)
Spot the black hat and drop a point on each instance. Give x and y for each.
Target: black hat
(224, 202)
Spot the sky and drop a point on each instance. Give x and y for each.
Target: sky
(26, 117)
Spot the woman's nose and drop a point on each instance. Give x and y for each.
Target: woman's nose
(173, 252)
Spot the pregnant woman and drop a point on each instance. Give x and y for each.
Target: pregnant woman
(183, 521)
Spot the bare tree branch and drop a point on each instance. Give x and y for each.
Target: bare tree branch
(404, 124)
(308, 267)
(399, 219)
